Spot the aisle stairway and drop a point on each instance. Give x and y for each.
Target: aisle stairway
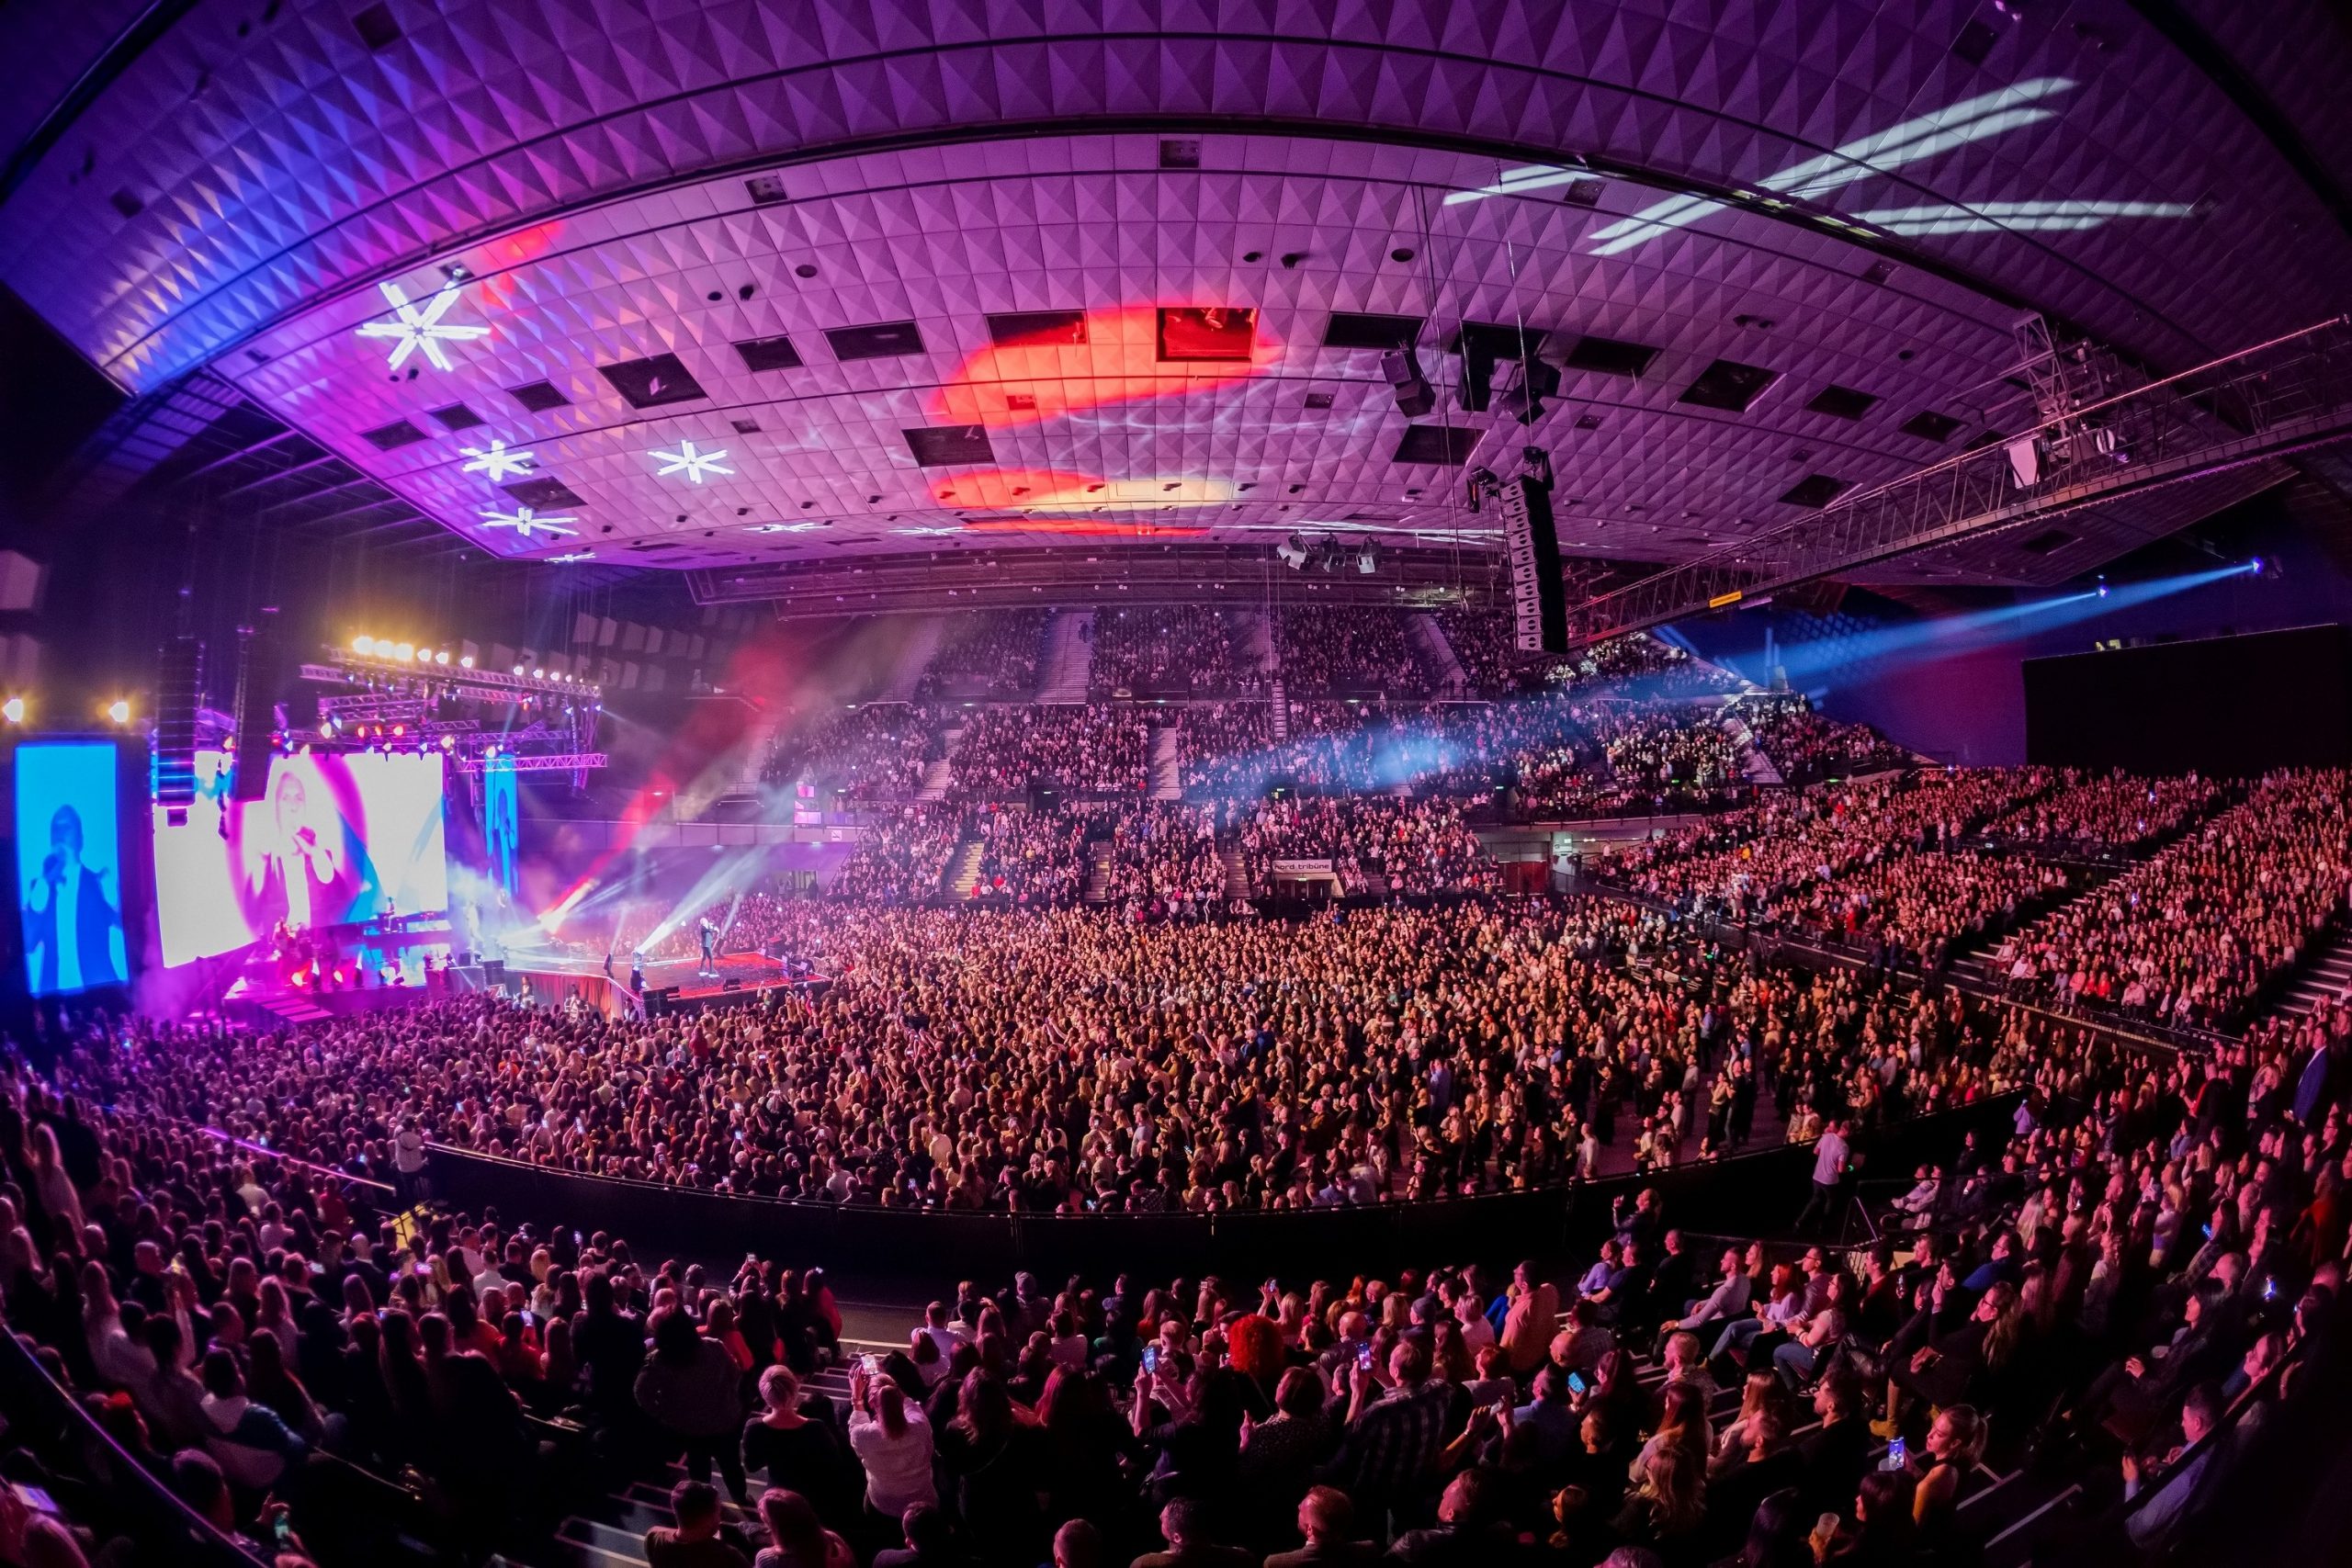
(1237, 880)
(1453, 680)
(1167, 771)
(1098, 873)
(1280, 713)
(938, 773)
(611, 1532)
(1068, 662)
(1754, 765)
(964, 867)
(2321, 979)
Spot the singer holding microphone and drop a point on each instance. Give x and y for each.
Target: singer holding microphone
(73, 925)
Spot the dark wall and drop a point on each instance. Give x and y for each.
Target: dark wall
(1755, 1193)
(2227, 706)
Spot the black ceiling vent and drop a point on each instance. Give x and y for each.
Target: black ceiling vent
(127, 202)
(1038, 329)
(542, 493)
(1844, 402)
(653, 382)
(1879, 274)
(538, 397)
(883, 340)
(457, 416)
(950, 446)
(1320, 400)
(1982, 439)
(2049, 539)
(1584, 193)
(1440, 446)
(1351, 329)
(393, 436)
(1816, 491)
(769, 353)
(1587, 421)
(1975, 42)
(745, 426)
(1930, 426)
(766, 190)
(1179, 154)
(375, 27)
(1611, 356)
(1729, 386)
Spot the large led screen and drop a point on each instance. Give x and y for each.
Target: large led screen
(69, 872)
(335, 840)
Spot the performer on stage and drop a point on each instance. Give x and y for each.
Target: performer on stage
(709, 930)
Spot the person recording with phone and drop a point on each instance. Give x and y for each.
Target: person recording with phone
(72, 926)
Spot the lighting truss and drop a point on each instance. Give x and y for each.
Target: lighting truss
(478, 685)
(545, 762)
(2267, 401)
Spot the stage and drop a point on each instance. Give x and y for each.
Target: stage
(679, 981)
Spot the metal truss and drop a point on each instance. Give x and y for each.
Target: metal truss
(575, 763)
(2277, 398)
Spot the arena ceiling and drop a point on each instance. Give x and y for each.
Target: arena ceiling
(757, 285)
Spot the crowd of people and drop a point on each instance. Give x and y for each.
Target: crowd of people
(1087, 748)
(1163, 859)
(2190, 936)
(1806, 746)
(2098, 813)
(1031, 857)
(1171, 648)
(901, 858)
(873, 753)
(1324, 649)
(2143, 1275)
(1747, 863)
(1373, 844)
(1223, 748)
(991, 653)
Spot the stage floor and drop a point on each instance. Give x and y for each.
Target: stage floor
(750, 971)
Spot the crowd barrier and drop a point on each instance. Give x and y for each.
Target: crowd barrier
(1750, 1193)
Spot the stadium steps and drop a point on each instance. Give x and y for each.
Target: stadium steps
(1167, 771)
(1253, 640)
(964, 866)
(1280, 712)
(1068, 661)
(609, 1532)
(1754, 765)
(1237, 880)
(296, 1008)
(938, 773)
(2319, 979)
(1438, 653)
(915, 655)
(1098, 873)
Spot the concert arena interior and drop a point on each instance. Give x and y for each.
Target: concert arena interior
(977, 783)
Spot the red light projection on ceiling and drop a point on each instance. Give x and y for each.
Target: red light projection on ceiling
(1081, 527)
(1036, 373)
(1056, 489)
(501, 258)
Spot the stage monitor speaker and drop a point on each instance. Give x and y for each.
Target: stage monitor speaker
(493, 971)
(179, 679)
(257, 680)
(1539, 607)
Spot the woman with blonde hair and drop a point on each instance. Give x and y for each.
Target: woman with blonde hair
(1664, 1512)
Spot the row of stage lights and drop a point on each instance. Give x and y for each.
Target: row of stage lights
(408, 654)
(17, 709)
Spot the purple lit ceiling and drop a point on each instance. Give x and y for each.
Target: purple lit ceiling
(1856, 199)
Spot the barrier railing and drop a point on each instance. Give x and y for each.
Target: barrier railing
(1755, 1193)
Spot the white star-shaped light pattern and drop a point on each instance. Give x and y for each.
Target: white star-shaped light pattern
(687, 461)
(783, 527)
(420, 326)
(927, 532)
(574, 556)
(495, 460)
(522, 520)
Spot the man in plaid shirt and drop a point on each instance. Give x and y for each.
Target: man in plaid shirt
(1387, 1458)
